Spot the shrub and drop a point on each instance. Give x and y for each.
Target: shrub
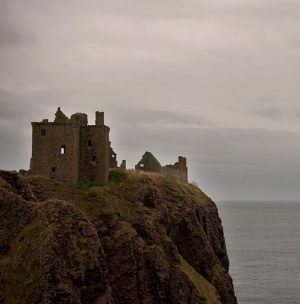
(88, 184)
(117, 176)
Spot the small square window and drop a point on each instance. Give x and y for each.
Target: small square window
(63, 149)
(89, 143)
(94, 158)
(43, 132)
(53, 169)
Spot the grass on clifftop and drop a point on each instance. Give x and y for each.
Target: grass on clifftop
(121, 186)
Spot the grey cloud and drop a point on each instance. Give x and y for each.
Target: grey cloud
(169, 76)
(10, 32)
(161, 117)
(269, 111)
(276, 111)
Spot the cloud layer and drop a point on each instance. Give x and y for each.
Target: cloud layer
(214, 81)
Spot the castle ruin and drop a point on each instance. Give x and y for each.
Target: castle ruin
(70, 150)
(150, 163)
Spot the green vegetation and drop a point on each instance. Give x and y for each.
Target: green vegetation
(117, 176)
(85, 185)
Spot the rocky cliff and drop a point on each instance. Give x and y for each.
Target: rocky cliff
(140, 238)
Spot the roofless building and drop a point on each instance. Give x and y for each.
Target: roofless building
(70, 150)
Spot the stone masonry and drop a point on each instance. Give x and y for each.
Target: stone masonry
(70, 150)
(150, 163)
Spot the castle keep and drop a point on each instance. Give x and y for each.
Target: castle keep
(70, 150)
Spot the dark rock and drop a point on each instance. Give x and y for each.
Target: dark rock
(137, 242)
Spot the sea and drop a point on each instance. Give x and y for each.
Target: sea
(263, 245)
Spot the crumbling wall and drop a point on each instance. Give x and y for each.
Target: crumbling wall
(178, 170)
(112, 158)
(123, 164)
(148, 163)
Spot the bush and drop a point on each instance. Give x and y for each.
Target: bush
(117, 176)
(88, 184)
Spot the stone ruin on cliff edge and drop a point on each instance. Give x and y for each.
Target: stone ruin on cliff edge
(150, 163)
(70, 150)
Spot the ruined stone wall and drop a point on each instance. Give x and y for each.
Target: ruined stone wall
(173, 172)
(112, 158)
(182, 166)
(178, 170)
(148, 163)
(123, 164)
(95, 153)
(49, 140)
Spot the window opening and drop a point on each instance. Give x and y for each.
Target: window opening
(43, 132)
(94, 158)
(53, 169)
(63, 149)
(89, 143)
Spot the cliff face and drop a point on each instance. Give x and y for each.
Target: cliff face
(141, 238)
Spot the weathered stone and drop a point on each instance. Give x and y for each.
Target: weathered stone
(149, 163)
(69, 150)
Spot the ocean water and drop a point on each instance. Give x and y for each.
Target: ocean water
(263, 244)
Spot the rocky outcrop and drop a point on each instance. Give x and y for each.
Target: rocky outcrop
(141, 238)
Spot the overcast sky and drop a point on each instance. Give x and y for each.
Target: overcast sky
(212, 80)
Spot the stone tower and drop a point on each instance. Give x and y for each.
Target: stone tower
(70, 150)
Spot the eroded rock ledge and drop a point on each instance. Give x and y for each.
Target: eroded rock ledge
(140, 238)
